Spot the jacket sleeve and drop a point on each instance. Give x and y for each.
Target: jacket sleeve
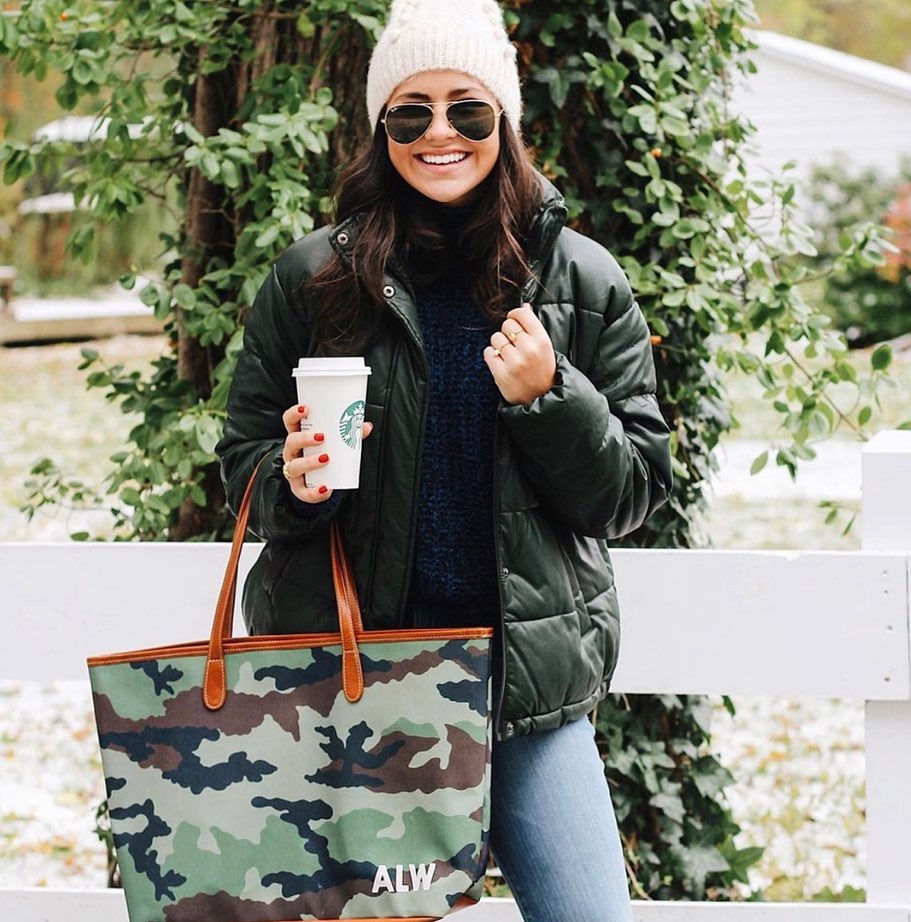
(275, 337)
(595, 446)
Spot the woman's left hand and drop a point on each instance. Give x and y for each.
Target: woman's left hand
(521, 357)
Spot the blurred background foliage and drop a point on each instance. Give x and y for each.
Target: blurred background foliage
(872, 303)
(877, 30)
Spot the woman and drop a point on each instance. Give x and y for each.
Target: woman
(513, 429)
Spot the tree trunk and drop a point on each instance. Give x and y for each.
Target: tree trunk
(347, 77)
(207, 230)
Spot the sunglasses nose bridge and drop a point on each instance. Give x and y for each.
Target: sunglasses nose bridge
(439, 126)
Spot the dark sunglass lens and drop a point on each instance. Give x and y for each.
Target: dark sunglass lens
(405, 124)
(472, 119)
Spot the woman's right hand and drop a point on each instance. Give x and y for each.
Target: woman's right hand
(296, 466)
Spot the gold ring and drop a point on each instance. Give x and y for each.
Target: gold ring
(496, 352)
(513, 336)
(287, 471)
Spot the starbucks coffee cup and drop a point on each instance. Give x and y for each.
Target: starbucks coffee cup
(335, 391)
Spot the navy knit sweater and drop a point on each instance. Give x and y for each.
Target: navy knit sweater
(455, 560)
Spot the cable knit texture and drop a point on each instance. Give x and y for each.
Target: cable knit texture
(455, 558)
(454, 552)
(464, 35)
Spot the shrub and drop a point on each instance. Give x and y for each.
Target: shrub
(869, 301)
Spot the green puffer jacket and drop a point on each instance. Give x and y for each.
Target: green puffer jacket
(587, 462)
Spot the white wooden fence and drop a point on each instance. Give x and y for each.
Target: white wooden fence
(831, 625)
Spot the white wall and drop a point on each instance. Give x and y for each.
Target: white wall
(809, 103)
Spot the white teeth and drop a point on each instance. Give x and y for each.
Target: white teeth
(443, 158)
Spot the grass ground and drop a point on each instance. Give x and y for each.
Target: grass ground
(759, 420)
(48, 412)
(799, 763)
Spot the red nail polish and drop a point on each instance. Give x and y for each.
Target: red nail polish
(319, 437)
(323, 459)
(324, 489)
(301, 410)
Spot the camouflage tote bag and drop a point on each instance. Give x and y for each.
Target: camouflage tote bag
(312, 776)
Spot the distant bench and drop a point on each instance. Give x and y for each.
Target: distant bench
(794, 625)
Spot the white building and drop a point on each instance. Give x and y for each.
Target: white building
(812, 104)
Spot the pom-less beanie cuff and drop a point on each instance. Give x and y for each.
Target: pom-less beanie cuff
(463, 35)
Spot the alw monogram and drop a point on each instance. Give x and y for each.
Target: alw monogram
(421, 877)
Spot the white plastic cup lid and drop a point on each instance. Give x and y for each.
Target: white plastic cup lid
(322, 366)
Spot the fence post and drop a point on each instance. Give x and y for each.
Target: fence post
(886, 527)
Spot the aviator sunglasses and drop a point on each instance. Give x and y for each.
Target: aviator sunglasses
(473, 119)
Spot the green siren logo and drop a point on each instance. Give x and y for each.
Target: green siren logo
(349, 425)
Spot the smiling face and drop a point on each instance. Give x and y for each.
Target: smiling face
(441, 164)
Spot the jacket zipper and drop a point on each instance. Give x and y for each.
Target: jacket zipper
(412, 537)
(419, 443)
(500, 579)
(381, 475)
(529, 292)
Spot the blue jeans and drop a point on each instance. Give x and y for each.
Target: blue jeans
(553, 832)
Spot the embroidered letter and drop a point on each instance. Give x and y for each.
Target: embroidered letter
(422, 876)
(382, 881)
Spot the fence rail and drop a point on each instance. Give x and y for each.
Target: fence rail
(109, 906)
(793, 624)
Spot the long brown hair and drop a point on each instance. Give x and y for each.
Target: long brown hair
(395, 224)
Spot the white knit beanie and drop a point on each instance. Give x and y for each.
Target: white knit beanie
(464, 35)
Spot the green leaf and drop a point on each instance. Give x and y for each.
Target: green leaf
(185, 296)
(68, 94)
(669, 804)
(19, 165)
(190, 130)
(701, 861)
(305, 26)
(9, 35)
(638, 31)
(759, 462)
(558, 84)
(149, 295)
(881, 358)
(659, 327)
(131, 496)
(268, 236)
(207, 435)
(614, 28)
(209, 164)
(229, 174)
(82, 72)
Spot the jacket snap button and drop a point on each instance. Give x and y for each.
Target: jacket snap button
(505, 572)
(510, 729)
(388, 291)
(342, 239)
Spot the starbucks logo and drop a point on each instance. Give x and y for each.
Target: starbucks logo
(350, 422)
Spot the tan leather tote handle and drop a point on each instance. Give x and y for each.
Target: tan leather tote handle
(349, 612)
